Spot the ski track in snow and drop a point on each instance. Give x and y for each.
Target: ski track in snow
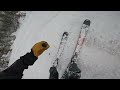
(100, 55)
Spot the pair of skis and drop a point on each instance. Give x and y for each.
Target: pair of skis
(83, 33)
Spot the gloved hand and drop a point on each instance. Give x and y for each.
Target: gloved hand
(39, 48)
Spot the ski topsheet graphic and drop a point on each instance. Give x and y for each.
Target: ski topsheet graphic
(72, 68)
(61, 48)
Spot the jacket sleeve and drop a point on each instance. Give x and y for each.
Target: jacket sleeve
(15, 71)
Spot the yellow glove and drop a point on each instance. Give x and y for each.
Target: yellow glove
(39, 48)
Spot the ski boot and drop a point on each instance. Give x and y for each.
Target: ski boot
(74, 71)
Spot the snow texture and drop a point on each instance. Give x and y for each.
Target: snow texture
(99, 57)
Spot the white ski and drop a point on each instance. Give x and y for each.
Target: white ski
(61, 48)
(82, 36)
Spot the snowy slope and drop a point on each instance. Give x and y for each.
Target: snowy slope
(100, 56)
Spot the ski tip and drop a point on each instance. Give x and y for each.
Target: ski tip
(65, 33)
(87, 22)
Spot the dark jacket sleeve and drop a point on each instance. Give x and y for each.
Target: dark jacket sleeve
(15, 71)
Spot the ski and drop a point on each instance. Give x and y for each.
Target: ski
(70, 70)
(61, 48)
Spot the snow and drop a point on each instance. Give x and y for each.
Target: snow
(99, 57)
